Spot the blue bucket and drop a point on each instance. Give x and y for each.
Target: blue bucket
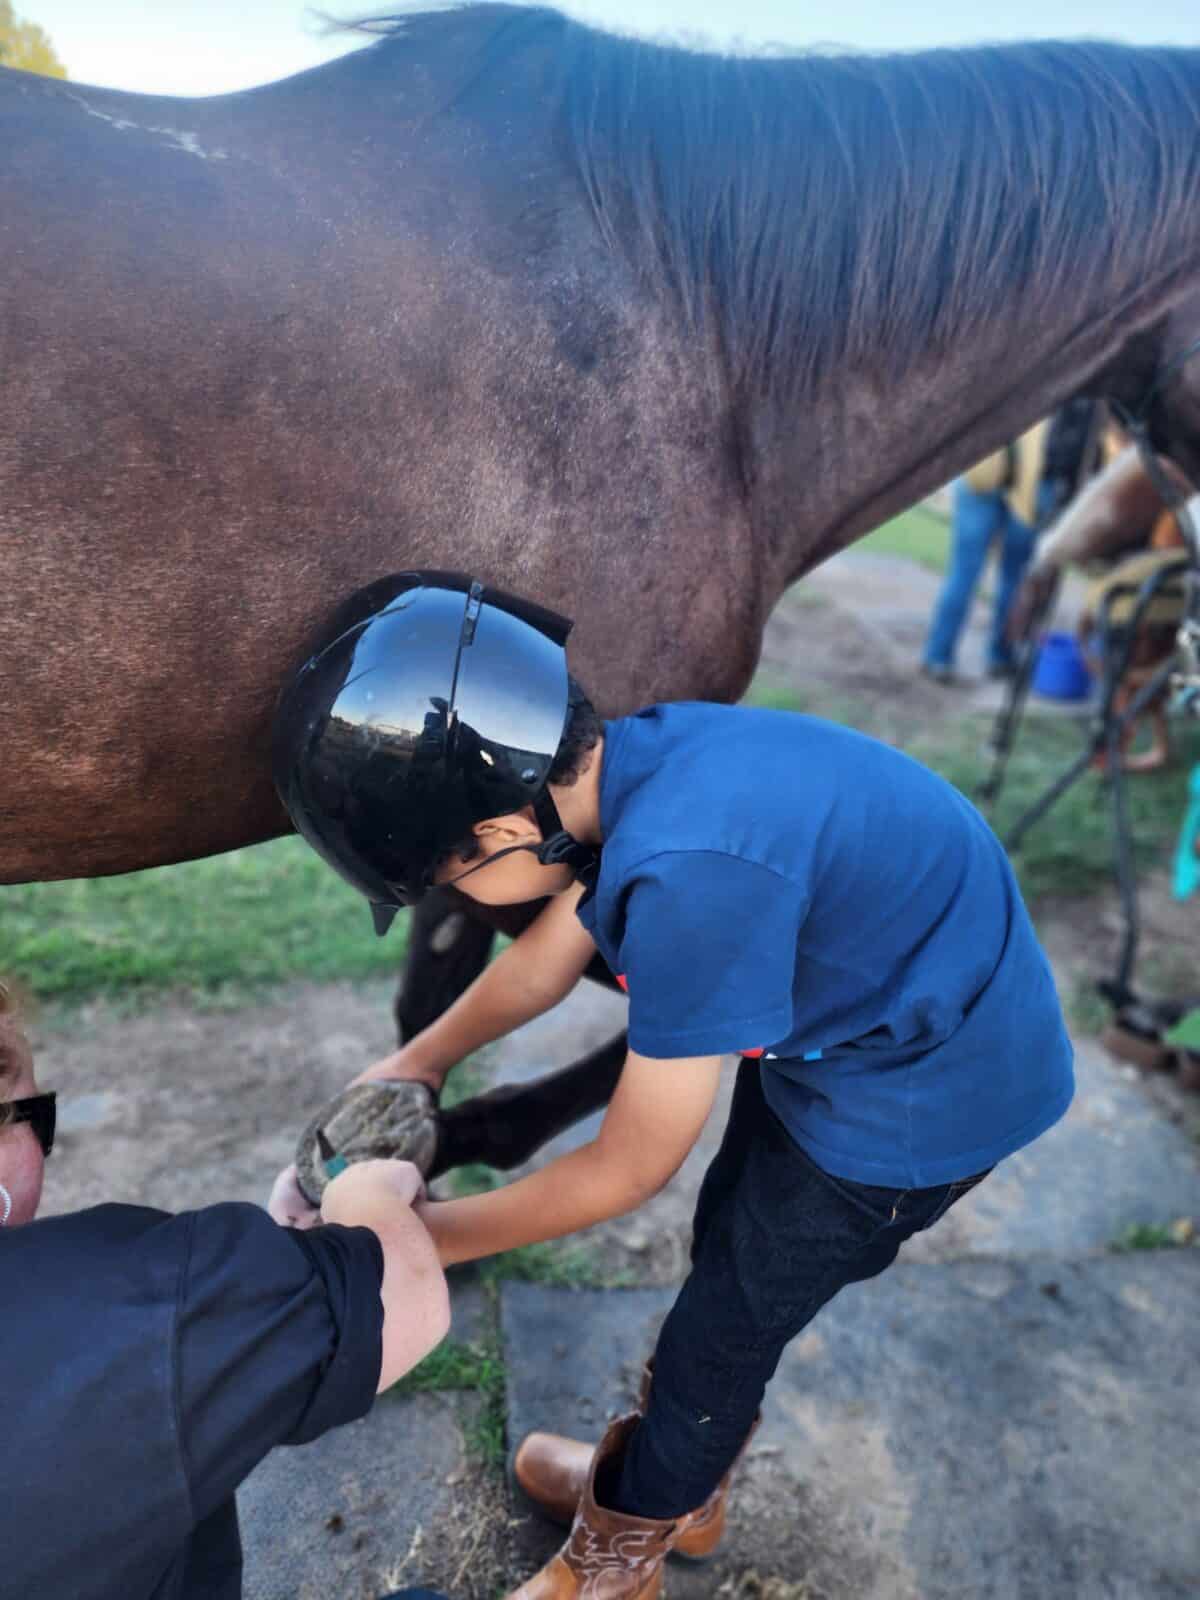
(1061, 672)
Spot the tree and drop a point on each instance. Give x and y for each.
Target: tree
(25, 45)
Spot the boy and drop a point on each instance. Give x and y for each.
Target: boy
(763, 883)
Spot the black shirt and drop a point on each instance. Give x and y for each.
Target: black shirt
(147, 1364)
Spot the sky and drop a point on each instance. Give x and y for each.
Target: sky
(197, 47)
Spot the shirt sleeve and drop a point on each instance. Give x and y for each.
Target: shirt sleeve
(708, 954)
(279, 1337)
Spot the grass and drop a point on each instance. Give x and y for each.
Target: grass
(919, 535)
(1150, 1236)
(769, 694)
(557, 1264)
(1087, 1010)
(477, 1368)
(236, 922)
(454, 1365)
(1069, 852)
(1185, 1035)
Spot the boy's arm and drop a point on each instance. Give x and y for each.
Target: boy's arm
(416, 1305)
(537, 970)
(653, 1120)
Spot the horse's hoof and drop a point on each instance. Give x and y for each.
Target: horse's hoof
(389, 1118)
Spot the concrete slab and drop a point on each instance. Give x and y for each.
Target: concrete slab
(1112, 1162)
(987, 1428)
(339, 1517)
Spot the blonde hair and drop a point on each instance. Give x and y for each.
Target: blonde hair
(14, 1046)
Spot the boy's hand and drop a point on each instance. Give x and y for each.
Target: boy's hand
(404, 1063)
(653, 1120)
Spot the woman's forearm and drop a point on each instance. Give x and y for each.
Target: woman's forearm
(576, 1191)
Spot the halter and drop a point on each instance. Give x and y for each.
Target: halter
(1186, 681)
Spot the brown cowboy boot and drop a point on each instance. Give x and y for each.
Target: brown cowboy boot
(609, 1556)
(553, 1472)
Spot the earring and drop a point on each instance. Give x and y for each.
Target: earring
(6, 1201)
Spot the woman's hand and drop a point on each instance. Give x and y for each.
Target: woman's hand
(290, 1208)
(288, 1205)
(398, 1181)
(416, 1304)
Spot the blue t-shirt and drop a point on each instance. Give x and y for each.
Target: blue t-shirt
(778, 885)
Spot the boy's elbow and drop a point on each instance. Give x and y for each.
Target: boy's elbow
(628, 1184)
(637, 1188)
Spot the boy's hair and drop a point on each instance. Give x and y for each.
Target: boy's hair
(580, 736)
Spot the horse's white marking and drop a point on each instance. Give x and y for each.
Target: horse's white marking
(190, 143)
(179, 137)
(116, 122)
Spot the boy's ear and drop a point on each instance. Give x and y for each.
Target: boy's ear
(515, 825)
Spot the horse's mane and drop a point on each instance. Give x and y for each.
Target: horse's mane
(817, 208)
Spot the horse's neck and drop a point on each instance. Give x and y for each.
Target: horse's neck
(981, 282)
(860, 449)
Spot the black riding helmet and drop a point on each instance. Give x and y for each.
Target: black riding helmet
(429, 703)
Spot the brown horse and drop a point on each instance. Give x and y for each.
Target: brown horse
(643, 333)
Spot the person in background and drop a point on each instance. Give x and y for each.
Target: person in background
(1120, 532)
(151, 1361)
(1003, 501)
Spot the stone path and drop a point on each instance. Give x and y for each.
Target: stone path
(1011, 1411)
(1017, 1428)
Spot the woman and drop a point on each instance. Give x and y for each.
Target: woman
(150, 1362)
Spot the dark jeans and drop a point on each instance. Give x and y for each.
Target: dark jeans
(774, 1240)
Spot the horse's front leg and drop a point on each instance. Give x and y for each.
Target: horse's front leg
(505, 1126)
(447, 950)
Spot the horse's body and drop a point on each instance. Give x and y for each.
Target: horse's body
(641, 334)
(261, 349)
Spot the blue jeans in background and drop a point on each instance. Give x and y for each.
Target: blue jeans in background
(979, 519)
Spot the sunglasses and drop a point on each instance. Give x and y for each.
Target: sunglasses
(39, 1110)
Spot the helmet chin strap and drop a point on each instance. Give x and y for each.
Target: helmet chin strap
(558, 848)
